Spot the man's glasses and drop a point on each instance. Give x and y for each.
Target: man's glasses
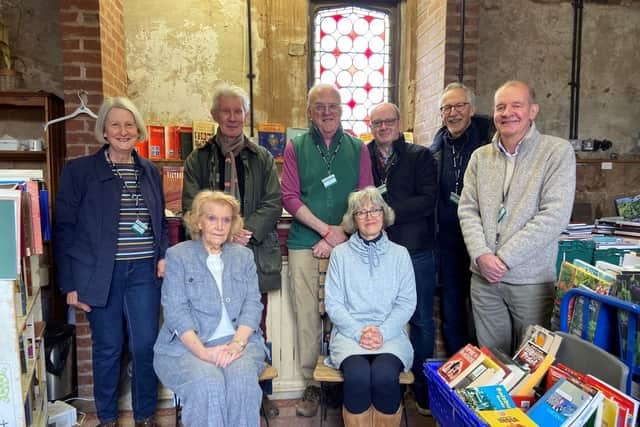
(373, 213)
(321, 108)
(387, 122)
(446, 109)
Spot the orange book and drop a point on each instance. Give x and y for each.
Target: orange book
(156, 142)
(36, 228)
(172, 142)
(142, 147)
(172, 177)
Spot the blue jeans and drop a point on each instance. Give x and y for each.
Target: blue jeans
(455, 278)
(422, 331)
(134, 304)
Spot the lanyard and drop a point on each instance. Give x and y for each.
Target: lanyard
(457, 167)
(133, 194)
(385, 164)
(329, 159)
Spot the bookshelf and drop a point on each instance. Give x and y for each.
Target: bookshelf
(22, 116)
(23, 389)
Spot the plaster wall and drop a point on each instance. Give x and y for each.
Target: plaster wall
(536, 47)
(34, 40)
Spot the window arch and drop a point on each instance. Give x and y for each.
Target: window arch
(353, 48)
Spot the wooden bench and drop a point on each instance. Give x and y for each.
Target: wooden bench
(326, 374)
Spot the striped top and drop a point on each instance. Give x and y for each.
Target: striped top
(131, 244)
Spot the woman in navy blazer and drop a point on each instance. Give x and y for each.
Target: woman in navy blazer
(110, 235)
(210, 350)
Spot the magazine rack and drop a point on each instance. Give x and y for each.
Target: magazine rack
(611, 324)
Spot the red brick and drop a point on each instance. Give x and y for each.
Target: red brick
(74, 151)
(91, 44)
(81, 57)
(80, 4)
(79, 31)
(86, 84)
(69, 17)
(71, 44)
(93, 72)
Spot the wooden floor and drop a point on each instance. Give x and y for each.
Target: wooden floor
(287, 417)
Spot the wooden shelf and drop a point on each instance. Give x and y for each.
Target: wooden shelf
(23, 156)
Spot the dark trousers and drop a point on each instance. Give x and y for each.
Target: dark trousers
(134, 303)
(372, 380)
(455, 279)
(422, 325)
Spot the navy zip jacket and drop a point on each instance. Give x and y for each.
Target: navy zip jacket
(412, 183)
(85, 230)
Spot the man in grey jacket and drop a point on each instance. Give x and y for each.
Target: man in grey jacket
(517, 198)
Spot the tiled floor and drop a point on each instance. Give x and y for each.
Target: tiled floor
(287, 417)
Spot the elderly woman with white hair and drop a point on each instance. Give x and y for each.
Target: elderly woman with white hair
(370, 296)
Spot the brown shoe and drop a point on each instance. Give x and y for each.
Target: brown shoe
(308, 407)
(147, 422)
(113, 423)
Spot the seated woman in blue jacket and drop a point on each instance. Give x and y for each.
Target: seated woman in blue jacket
(370, 296)
(210, 350)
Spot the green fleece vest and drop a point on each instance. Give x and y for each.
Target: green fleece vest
(328, 204)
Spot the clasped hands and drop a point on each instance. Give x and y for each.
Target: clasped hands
(222, 355)
(335, 236)
(371, 338)
(491, 267)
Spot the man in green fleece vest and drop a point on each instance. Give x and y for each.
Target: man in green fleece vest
(517, 198)
(321, 168)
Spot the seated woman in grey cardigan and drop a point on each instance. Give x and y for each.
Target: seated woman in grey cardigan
(210, 350)
(370, 296)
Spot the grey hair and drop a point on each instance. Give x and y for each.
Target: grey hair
(511, 83)
(396, 110)
(318, 88)
(118, 102)
(358, 199)
(226, 89)
(471, 96)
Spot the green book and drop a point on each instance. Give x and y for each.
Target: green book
(8, 238)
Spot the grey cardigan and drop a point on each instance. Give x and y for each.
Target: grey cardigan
(190, 296)
(538, 204)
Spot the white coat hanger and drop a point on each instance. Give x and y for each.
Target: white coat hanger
(82, 109)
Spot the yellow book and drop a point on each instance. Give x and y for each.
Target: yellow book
(202, 132)
(507, 417)
(526, 385)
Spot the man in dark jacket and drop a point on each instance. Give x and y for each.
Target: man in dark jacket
(406, 176)
(452, 147)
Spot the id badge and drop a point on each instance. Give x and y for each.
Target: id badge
(329, 180)
(139, 227)
(501, 213)
(382, 189)
(454, 197)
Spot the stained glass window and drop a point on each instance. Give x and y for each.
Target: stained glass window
(352, 51)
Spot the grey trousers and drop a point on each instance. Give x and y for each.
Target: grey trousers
(502, 311)
(213, 396)
(303, 288)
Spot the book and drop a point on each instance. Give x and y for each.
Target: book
(543, 338)
(592, 278)
(513, 417)
(203, 131)
(186, 141)
(627, 288)
(460, 364)
(9, 231)
(566, 279)
(629, 208)
(476, 374)
(172, 178)
(562, 404)
(535, 361)
(142, 147)
(489, 397)
(627, 405)
(156, 142)
(272, 137)
(172, 142)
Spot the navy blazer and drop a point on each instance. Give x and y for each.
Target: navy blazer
(85, 230)
(191, 300)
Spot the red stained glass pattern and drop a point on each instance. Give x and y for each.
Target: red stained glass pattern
(352, 52)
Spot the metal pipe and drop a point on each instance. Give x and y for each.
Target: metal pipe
(461, 56)
(576, 55)
(250, 76)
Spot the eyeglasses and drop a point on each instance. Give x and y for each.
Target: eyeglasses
(387, 122)
(373, 213)
(321, 108)
(446, 109)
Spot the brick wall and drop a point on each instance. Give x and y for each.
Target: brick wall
(437, 58)
(94, 61)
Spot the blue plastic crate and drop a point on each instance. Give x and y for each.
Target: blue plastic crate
(446, 407)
